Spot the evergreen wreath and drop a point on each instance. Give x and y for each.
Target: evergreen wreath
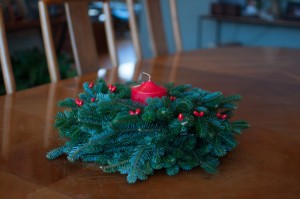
(189, 127)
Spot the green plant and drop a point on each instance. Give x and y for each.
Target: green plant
(187, 128)
(30, 69)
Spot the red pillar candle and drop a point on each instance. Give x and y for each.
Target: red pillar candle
(147, 89)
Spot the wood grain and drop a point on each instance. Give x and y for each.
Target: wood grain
(265, 164)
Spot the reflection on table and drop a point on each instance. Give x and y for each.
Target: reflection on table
(265, 163)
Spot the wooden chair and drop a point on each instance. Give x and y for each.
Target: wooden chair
(9, 80)
(155, 25)
(81, 36)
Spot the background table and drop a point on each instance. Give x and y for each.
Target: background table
(219, 19)
(264, 165)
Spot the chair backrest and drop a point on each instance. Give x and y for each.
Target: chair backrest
(81, 36)
(155, 25)
(9, 80)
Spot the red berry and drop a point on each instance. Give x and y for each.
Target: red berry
(173, 98)
(113, 89)
(137, 111)
(93, 99)
(180, 117)
(131, 112)
(91, 84)
(224, 116)
(196, 113)
(201, 114)
(79, 102)
(219, 115)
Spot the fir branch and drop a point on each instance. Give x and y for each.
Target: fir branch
(181, 88)
(201, 127)
(139, 127)
(171, 171)
(67, 103)
(238, 126)
(135, 162)
(232, 98)
(228, 140)
(216, 123)
(132, 106)
(182, 106)
(103, 131)
(101, 138)
(90, 157)
(111, 168)
(101, 97)
(76, 152)
(218, 149)
(55, 153)
(211, 96)
(210, 164)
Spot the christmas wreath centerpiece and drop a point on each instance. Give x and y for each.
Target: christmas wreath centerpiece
(135, 130)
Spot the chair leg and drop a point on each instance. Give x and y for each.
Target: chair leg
(134, 30)
(175, 25)
(111, 40)
(9, 80)
(48, 42)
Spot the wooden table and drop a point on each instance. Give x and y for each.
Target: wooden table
(264, 165)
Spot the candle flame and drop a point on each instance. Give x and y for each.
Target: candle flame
(148, 76)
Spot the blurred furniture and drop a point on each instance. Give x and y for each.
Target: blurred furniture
(58, 23)
(154, 17)
(81, 35)
(28, 24)
(22, 16)
(134, 31)
(7, 72)
(239, 20)
(265, 163)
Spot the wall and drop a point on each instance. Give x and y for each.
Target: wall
(248, 35)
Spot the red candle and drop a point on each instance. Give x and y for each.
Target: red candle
(147, 89)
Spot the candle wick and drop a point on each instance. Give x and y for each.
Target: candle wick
(148, 76)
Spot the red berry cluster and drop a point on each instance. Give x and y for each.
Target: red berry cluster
(112, 88)
(196, 113)
(221, 116)
(180, 117)
(79, 102)
(173, 98)
(199, 114)
(136, 112)
(91, 84)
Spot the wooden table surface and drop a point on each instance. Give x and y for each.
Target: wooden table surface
(266, 163)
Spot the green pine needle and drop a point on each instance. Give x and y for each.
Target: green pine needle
(103, 131)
